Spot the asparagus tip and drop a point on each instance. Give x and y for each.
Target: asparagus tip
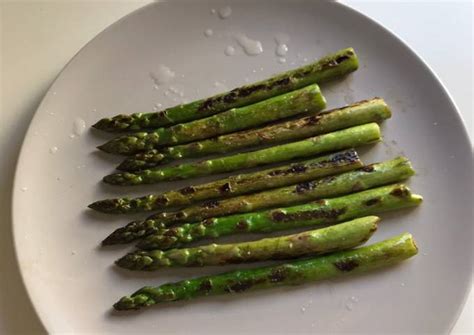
(112, 239)
(103, 147)
(95, 206)
(111, 178)
(108, 206)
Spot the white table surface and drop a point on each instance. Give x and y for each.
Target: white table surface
(39, 38)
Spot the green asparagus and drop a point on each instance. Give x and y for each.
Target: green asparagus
(326, 211)
(236, 185)
(338, 140)
(338, 264)
(314, 242)
(306, 99)
(374, 110)
(360, 179)
(330, 67)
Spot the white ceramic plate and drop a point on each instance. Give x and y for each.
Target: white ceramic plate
(70, 279)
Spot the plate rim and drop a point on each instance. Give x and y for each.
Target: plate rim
(43, 318)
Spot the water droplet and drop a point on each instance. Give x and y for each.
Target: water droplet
(72, 136)
(435, 123)
(281, 60)
(254, 71)
(24, 189)
(94, 110)
(213, 11)
(51, 113)
(451, 156)
(281, 50)
(354, 299)
(162, 75)
(208, 32)
(156, 87)
(349, 306)
(54, 93)
(229, 50)
(313, 325)
(425, 254)
(79, 126)
(53, 150)
(402, 284)
(225, 12)
(251, 47)
(181, 94)
(261, 69)
(246, 79)
(303, 309)
(167, 93)
(305, 59)
(182, 76)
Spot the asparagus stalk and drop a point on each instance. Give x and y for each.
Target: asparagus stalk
(314, 242)
(381, 254)
(338, 140)
(306, 99)
(361, 179)
(330, 67)
(374, 110)
(235, 185)
(326, 211)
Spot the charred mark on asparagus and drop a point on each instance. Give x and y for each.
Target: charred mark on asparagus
(225, 188)
(187, 190)
(346, 265)
(367, 168)
(242, 225)
(205, 286)
(242, 92)
(400, 192)
(210, 204)
(161, 200)
(278, 274)
(280, 216)
(373, 201)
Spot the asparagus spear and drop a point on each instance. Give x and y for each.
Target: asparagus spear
(326, 211)
(337, 140)
(314, 242)
(327, 68)
(374, 110)
(360, 179)
(236, 185)
(381, 254)
(306, 99)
